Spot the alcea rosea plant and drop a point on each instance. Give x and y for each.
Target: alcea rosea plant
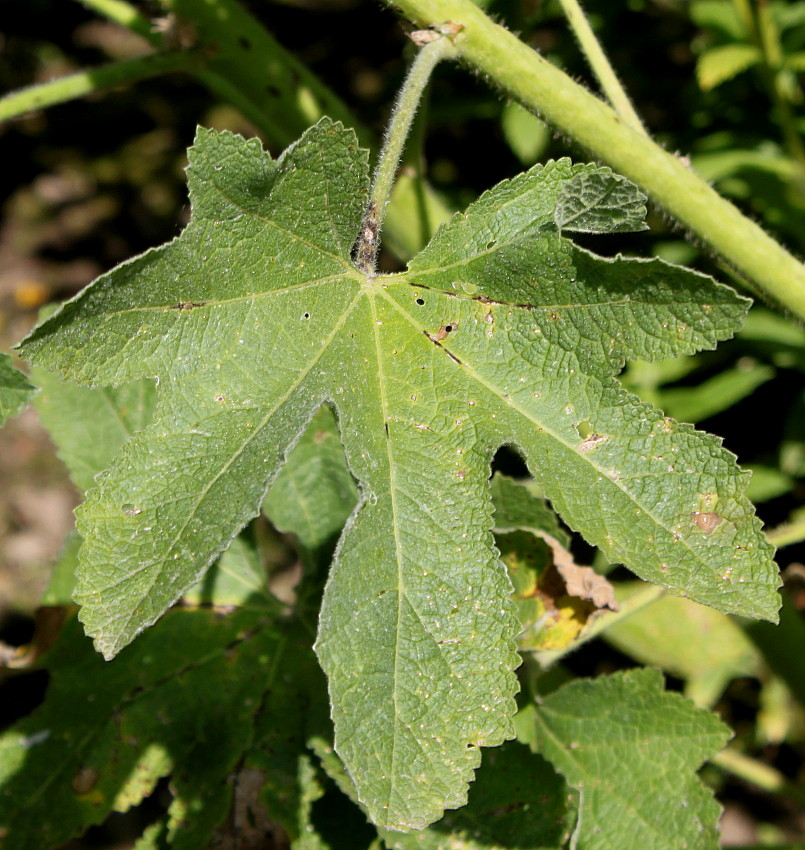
(501, 331)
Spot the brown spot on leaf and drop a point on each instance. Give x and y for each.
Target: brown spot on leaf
(85, 780)
(707, 521)
(444, 330)
(591, 441)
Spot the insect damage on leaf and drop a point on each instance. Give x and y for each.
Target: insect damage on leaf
(417, 629)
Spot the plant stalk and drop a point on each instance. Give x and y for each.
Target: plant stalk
(402, 117)
(758, 774)
(83, 83)
(786, 534)
(127, 16)
(533, 81)
(600, 64)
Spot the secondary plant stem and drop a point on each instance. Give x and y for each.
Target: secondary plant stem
(525, 76)
(759, 774)
(402, 116)
(603, 70)
(87, 82)
(126, 15)
(785, 535)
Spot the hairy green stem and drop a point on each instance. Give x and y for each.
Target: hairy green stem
(126, 15)
(786, 535)
(761, 775)
(603, 70)
(399, 126)
(82, 83)
(525, 76)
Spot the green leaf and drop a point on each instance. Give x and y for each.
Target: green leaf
(719, 64)
(517, 800)
(15, 391)
(631, 750)
(314, 493)
(89, 426)
(689, 641)
(501, 332)
(181, 702)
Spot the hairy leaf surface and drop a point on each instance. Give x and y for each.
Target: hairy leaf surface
(631, 750)
(501, 332)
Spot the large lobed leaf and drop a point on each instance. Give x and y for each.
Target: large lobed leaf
(501, 331)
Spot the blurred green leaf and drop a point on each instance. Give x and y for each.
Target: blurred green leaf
(718, 15)
(722, 391)
(527, 135)
(15, 390)
(767, 483)
(689, 641)
(722, 63)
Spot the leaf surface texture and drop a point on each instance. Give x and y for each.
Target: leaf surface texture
(500, 332)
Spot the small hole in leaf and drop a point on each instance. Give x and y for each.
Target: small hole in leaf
(306, 316)
(420, 301)
(491, 244)
(448, 328)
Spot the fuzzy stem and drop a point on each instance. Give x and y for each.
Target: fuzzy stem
(82, 83)
(759, 774)
(402, 116)
(127, 16)
(525, 76)
(785, 535)
(603, 70)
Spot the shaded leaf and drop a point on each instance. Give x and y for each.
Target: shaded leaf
(314, 493)
(181, 702)
(519, 508)
(517, 801)
(89, 426)
(631, 750)
(15, 390)
(722, 63)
